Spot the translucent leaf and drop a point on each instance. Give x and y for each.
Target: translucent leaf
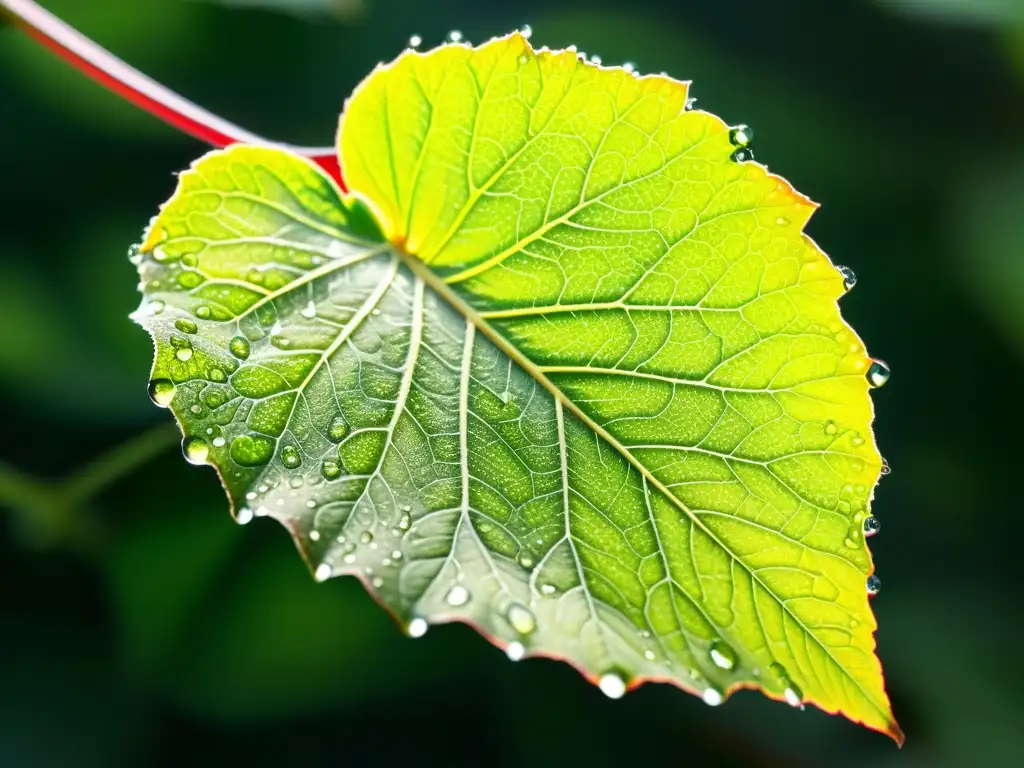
(586, 387)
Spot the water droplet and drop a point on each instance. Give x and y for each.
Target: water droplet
(415, 41)
(689, 104)
(741, 135)
(417, 627)
(377, 582)
(396, 554)
(454, 36)
(290, 456)
(885, 467)
(457, 595)
(184, 354)
(874, 585)
(405, 521)
(365, 537)
(338, 429)
(189, 259)
(830, 428)
(196, 408)
(612, 685)
(629, 66)
(781, 221)
(742, 155)
(849, 277)
(156, 306)
(872, 525)
(243, 516)
(189, 279)
(203, 312)
(314, 535)
(858, 440)
(309, 312)
(878, 373)
(281, 342)
(712, 696)
(219, 442)
(323, 572)
(525, 560)
(521, 618)
(722, 655)
(239, 347)
(329, 469)
(526, 31)
(794, 696)
(195, 449)
(547, 589)
(595, 59)
(161, 392)
(134, 254)
(515, 650)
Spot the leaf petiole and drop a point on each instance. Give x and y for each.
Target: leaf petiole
(94, 61)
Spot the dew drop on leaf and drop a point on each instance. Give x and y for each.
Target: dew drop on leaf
(309, 311)
(722, 655)
(329, 469)
(885, 467)
(612, 685)
(203, 312)
(526, 31)
(521, 618)
(290, 456)
(454, 36)
(184, 354)
(337, 430)
(239, 347)
(161, 392)
(415, 41)
(872, 525)
(794, 696)
(849, 277)
(874, 585)
(830, 428)
(365, 537)
(742, 155)
(244, 515)
(515, 650)
(314, 535)
(196, 449)
(323, 572)
(878, 373)
(712, 696)
(417, 627)
(741, 135)
(457, 595)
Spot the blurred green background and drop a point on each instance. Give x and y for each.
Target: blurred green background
(140, 626)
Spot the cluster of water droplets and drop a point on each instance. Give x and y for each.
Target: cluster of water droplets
(741, 137)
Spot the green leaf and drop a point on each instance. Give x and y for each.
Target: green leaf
(587, 388)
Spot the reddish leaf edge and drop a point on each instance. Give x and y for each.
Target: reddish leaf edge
(101, 66)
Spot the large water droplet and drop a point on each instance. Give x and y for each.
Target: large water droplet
(878, 373)
(742, 155)
(415, 41)
(330, 469)
(323, 572)
(337, 429)
(243, 516)
(712, 696)
(291, 457)
(417, 627)
(521, 618)
(184, 354)
(722, 655)
(239, 347)
(526, 31)
(195, 449)
(185, 326)
(874, 585)
(741, 135)
(457, 595)
(612, 686)
(849, 277)
(872, 525)
(161, 392)
(515, 650)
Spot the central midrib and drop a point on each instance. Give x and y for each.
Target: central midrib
(440, 287)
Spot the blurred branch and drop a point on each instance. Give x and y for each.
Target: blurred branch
(111, 72)
(52, 512)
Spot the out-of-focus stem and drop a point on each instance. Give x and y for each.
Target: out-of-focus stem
(94, 61)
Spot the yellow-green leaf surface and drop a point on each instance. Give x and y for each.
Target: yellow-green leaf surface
(562, 366)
